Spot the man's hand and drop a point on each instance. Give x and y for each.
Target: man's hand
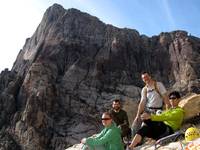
(145, 116)
(83, 141)
(119, 126)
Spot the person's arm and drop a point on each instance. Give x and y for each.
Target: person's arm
(99, 135)
(102, 140)
(142, 103)
(145, 116)
(168, 115)
(141, 107)
(166, 101)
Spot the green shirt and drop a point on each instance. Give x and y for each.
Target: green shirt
(110, 137)
(172, 117)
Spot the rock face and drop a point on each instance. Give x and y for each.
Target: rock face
(191, 105)
(69, 70)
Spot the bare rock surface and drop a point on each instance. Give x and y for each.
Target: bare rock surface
(191, 105)
(177, 145)
(69, 70)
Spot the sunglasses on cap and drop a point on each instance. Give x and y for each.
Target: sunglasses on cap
(105, 118)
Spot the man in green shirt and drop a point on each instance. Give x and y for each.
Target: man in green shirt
(157, 124)
(108, 139)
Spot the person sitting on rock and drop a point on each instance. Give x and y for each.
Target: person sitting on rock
(156, 125)
(120, 118)
(108, 139)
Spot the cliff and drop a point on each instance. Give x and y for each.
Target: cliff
(68, 71)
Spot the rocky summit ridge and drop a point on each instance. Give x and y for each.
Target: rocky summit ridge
(66, 74)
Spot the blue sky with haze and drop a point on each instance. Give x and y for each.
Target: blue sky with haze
(19, 19)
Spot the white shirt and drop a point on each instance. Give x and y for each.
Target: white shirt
(153, 99)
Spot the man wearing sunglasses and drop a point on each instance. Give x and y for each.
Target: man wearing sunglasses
(108, 139)
(165, 123)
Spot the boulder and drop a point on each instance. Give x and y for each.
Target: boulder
(191, 105)
(130, 106)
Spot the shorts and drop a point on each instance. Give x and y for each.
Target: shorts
(154, 129)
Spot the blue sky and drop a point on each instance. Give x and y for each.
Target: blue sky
(19, 19)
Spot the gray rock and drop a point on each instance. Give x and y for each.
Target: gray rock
(69, 70)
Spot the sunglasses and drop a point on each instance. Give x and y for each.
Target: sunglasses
(172, 98)
(105, 118)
